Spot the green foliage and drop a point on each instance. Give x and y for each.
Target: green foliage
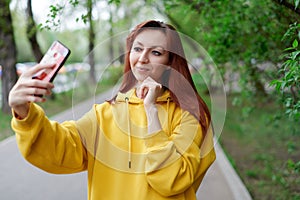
(240, 34)
(57, 12)
(117, 2)
(265, 156)
(233, 30)
(296, 3)
(74, 3)
(243, 35)
(53, 21)
(5, 129)
(288, 83)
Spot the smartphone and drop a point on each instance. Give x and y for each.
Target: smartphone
(57, 53)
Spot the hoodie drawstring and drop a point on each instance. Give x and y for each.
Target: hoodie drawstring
(129, 132)
(168, 104)
(129, 127)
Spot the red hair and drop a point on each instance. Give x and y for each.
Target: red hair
(178, 80)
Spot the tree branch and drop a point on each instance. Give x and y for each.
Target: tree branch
(288, 5)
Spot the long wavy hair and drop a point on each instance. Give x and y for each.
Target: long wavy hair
(178, 80)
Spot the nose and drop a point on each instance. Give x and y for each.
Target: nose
(144, 56)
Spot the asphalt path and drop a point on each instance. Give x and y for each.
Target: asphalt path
(19, 180)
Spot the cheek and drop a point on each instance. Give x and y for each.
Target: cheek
(158, 70)
(164, 60)
(132, 58)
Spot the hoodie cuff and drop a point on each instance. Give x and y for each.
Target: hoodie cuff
(35, 112)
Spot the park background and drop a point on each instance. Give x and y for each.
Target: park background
(253, 44)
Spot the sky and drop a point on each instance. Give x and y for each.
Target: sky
(41, 10)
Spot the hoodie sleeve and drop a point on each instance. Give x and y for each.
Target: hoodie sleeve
(53, 147)
(177, 162)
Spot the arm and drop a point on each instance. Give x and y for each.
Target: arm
(177, 162)
(180, 161)
(53, 147)
(50, 146)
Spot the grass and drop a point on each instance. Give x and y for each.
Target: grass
(265, 151)
(262, 146)
(6, 131)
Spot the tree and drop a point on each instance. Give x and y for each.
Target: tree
(111, 33)
(294, 7)
(54, 21)
(7, 53)
(245, 34)
(31, 33)
(91, 56)
(287, 82)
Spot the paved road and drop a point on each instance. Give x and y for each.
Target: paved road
(21, 180)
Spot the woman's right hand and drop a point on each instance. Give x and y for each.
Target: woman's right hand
(29, 90)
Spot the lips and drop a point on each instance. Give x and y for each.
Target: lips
(142, 69)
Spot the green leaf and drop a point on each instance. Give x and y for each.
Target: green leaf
(74, 3)
(295, 54)
(295, 43)
(289, 48)
(274, 82)
(297, 4)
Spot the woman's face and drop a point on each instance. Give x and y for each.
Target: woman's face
(149, 55)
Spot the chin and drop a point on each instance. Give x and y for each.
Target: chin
(140, 78)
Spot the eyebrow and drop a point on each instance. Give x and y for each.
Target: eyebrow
(154, 46)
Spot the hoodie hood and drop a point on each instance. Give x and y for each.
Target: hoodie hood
(132, 98)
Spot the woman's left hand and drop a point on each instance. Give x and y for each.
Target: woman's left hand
(149, 90)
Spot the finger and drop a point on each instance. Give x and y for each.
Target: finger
(25, 86)
(40, 84)
(37, 94)
(34, 88)
(152, 82)
(37, 68)
(153, 85)
(144, 91)
(35, 98)
(140, 91)
(37, 91)
(49, 92)
(23, 96)
(149, 80)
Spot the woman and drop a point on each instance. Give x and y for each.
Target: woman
(151, 141)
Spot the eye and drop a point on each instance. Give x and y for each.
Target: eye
(137, 49)
(156, 53)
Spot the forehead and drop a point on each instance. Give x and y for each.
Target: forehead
(151, 38)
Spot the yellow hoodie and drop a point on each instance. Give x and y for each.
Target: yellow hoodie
(112, 144)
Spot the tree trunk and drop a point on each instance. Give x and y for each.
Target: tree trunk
(31, 33)
(7, 54)
(254, 75)
(111, 33)
(91, 42)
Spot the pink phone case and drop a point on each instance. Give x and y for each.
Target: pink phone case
(57, 53)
